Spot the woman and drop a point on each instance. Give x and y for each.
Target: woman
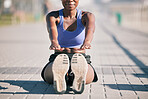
(70, 32)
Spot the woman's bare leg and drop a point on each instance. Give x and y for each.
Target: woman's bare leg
(90, 75)
(48, 74)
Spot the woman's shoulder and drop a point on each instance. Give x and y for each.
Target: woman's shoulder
(53, 14)
(87, 14)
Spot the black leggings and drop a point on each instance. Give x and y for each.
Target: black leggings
(53, 56)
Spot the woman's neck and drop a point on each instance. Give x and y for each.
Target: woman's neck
(70, 13)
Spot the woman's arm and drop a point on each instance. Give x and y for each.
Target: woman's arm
(89, 21)
(51, 20)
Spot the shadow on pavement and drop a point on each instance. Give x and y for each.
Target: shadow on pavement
(138, 62)
(130, 87)
(137, 32)
(28, 87)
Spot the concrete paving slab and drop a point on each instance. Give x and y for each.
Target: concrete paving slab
(118, 56)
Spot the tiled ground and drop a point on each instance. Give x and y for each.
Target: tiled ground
(119, 57)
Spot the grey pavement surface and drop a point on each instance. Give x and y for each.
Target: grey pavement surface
(119, 55)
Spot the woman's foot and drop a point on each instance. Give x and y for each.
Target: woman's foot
(60, 68)
(79, 67)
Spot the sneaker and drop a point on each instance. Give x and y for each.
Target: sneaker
(60, 68)
(79, 67)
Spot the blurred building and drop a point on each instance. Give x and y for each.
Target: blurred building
(129, 13)
(22, 11)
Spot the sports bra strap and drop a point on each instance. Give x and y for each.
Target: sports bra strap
(79, 13)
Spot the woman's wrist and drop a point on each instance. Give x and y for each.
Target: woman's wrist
(87, 41)
(54, 41)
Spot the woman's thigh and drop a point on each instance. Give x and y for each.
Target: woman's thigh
(90, 75)
(48, 74)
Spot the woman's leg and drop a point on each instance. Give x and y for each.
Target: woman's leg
(48, 74)
(90, 75)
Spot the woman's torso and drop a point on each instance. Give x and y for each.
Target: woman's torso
(70, 25)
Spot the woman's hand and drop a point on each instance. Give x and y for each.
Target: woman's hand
(55, 46)
(86, 45)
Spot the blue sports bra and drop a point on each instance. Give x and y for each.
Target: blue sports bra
(71, 39)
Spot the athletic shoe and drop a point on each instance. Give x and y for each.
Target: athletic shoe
(60, 68)
(79, 67)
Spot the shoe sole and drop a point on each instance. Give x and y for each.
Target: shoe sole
(79, 67)
(60, 68)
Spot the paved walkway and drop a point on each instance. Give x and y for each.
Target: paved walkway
(118, 55)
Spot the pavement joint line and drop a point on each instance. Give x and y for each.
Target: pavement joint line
(129, 82)
(118, 74)
(116, 83)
